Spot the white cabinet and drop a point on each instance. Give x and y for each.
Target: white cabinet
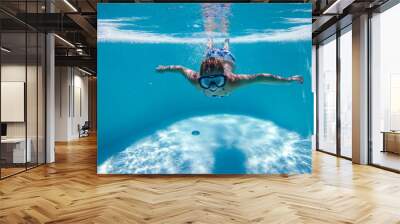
(19, 154)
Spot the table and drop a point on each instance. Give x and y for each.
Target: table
(391, 141)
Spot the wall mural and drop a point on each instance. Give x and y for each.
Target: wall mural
(204, 88)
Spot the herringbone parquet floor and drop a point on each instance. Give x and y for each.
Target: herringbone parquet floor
(69, 191)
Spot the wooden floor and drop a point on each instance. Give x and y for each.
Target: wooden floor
(386, 159)
(5, 172)
(69, 191)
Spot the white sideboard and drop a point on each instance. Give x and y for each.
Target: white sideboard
(19, 153)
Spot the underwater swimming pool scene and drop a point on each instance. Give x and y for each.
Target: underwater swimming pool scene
(204, 88)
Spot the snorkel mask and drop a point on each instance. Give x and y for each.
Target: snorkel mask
(212, 82)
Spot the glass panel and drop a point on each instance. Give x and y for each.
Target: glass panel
(385, 81)
(31, 87)
(31, 100)
(41, 98)
(327, 96)
(23, 90)
(346, 94)
(314, 85)
(13, 89)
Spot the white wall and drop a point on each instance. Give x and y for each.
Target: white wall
(9, 73)
(62, 82)
(17, 73)
(71, 102)
(81, 85)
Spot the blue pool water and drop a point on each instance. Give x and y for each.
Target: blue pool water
(151, 122)
(228, 161)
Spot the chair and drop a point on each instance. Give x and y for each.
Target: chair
(84, 129)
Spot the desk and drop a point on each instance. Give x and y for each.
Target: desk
(13, 150)
(391, 141)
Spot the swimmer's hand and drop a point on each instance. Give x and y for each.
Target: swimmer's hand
(297, 78)
(162, 68)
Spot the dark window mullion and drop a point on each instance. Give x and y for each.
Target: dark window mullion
(37, 90)
(0, 95)
(26, 87)
(369, 95)
(338, 91)
(317, 96)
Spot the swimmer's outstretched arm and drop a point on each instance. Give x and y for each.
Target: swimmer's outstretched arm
(188, 73)
(241, 80)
